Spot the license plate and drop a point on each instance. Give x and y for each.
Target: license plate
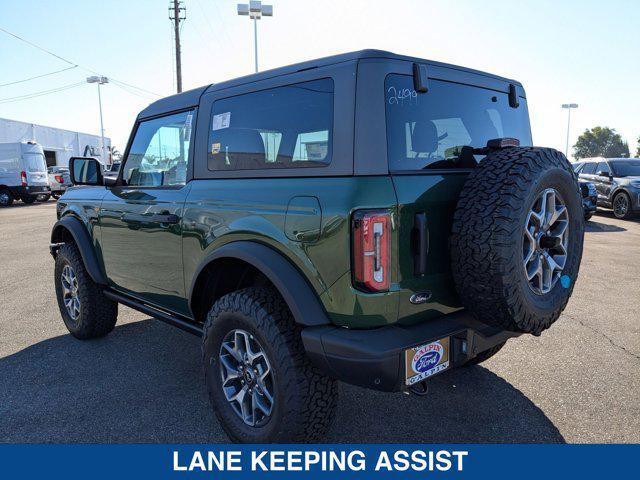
(426, 360)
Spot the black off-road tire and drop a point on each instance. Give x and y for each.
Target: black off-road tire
(6, 198)
(486, 355)
(488, 237)
(28, 199)
(98, 314)
(304, 398)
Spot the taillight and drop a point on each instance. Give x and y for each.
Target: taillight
(59, 178)
(23, 178)
(371, 250)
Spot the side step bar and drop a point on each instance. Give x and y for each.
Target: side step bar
(177, 321)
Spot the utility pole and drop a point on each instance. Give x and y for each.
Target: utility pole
(177, 13)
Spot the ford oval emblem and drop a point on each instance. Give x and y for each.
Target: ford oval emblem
(418, 298)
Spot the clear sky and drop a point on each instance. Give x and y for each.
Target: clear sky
(582, 51)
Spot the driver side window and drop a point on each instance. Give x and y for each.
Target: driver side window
(159, 154)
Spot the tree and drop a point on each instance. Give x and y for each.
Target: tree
(115, 154)
(600, 142)
(638, 150)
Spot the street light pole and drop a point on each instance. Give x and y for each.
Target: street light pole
(100, 81)
(568, 106)
(255, 10)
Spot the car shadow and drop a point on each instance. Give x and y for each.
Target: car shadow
(597, 227)
(143, 383)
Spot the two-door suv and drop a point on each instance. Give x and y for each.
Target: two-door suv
(367, 217)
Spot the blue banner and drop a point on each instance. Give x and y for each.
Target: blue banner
(318, 461)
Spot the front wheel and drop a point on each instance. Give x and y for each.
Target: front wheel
(6, 199)
(260, 382)
(622, 206)
(86, 311)
(587, 216)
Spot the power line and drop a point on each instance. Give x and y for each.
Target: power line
(38, 76)
(29, 96)
(37, 46)
(70, 62)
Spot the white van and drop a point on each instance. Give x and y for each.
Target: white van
(23, 173)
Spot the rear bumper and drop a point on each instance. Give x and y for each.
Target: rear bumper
(375, 358)
(30, 190)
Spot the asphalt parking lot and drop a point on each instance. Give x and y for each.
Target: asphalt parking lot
(578, 382)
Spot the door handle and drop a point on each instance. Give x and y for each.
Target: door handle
(132, 218)
(165, 218)
(420, 244)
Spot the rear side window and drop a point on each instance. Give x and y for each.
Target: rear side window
(577, 167)
(429, 130)
(284, 127)
(589, 168)
(603, 167)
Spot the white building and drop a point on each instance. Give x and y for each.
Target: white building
(58, 145)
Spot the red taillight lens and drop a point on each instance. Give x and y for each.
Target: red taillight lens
(59, 178)
(371, 250)
(23, 178)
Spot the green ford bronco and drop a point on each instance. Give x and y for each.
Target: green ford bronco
(368, 217)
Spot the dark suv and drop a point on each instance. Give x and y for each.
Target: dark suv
(368, 217)
(617, 182)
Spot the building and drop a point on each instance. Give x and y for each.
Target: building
(59, 145)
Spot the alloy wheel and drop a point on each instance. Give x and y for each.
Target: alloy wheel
(247, 378)
(620, 205)
(70, 294)
(4, 198)
(545, 241)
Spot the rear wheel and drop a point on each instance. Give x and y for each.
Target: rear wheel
(28, 199)
(622, 206)
(517, 237)
(260, 382)
(44, 198)
(6, 199)
(86, 311)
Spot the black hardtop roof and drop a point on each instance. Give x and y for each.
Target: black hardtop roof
(191, 98)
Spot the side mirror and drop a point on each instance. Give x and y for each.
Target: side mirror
(602, 173)
(85, 171)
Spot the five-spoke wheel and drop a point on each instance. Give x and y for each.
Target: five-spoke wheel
(545, 241)
(246, 377)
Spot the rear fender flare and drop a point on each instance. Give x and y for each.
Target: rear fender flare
(303, 301)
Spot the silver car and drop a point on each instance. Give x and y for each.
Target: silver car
(59, 179)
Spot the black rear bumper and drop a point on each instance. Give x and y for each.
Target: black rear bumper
(375, 358)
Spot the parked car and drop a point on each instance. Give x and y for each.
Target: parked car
(112, 171)
(59, 180)
(589, 198)
(23, 173)
(368, 217)
(617, 181)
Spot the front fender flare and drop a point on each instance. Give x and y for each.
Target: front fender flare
(83, 240)
(303, 301)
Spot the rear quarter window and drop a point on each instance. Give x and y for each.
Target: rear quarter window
(283, 127)
(429, 130)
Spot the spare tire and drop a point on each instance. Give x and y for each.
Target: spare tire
(517, 237)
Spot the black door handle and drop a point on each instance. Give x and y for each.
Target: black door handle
(165, 218)
(420, 244)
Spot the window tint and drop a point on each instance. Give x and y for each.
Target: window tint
(603, 167)
(284, 127)
(159, 154)
(626, 168)
(589, 168)
(430, 130)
